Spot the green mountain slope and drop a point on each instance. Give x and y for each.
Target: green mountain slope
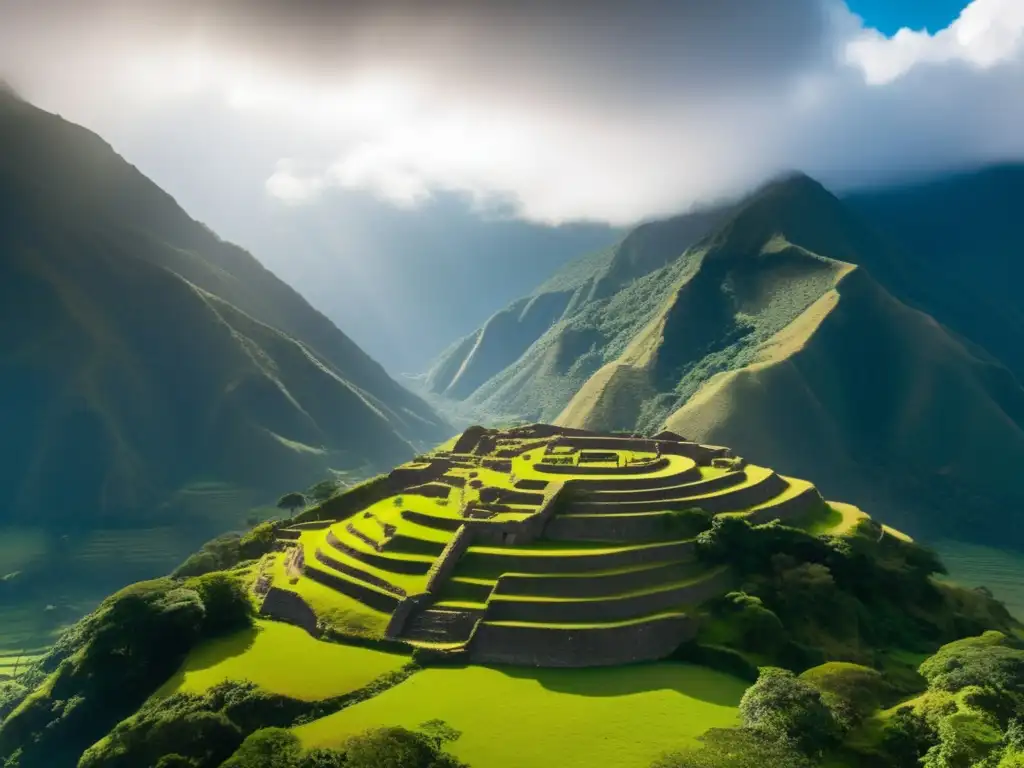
(142, 358)
(806, 338)
(471, 362)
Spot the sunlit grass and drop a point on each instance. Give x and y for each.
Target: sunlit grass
(282, 659)
(551, 718)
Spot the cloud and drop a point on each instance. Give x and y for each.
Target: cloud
(600, 110)
(987, 33)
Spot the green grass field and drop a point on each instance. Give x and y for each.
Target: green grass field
(282, 659)
(551, 718)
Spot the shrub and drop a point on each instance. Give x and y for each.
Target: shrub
(226, 602)
(965, 740)
(11, 695)
(990, 660)
(686, 523)
(782, 706)
(907, 736)
(216, 555)
(396, 748)
(851, 691)
(735, 748)
(758, 628)
(258, 541)
(267, 748)
(323, 490)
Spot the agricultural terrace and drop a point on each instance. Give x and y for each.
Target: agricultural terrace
(536, 546)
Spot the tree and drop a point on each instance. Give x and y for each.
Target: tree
(323, 490)
(291, 502)
(267, 748)
(965, 740)
(735, 748)
(396, 748)
(782, 706)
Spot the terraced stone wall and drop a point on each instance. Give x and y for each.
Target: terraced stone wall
(378, 601)
(657, 553)
(366, 494)
(595, 586)
(802, 504)
(282, 605)
(572, 469)
(611, 609)
(629, 528)
(605, 646)
(668, 499)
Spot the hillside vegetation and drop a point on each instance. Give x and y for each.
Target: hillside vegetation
(155, 378)
(799, 331)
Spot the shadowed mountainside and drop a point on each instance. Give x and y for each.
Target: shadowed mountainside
(144, 354)
(804, 336)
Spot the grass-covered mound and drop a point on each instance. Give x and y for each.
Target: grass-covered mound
(461, 587)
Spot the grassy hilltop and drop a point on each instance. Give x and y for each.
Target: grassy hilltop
(540, 596)
(832, 339)
(164, 381)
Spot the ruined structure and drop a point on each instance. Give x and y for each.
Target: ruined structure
(540, 545)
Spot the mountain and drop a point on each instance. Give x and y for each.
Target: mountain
(964, 228)
(144, 360)
(798, 330)
(476, 359)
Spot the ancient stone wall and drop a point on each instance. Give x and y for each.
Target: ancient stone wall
(513, 563)
(282, 605)
(378, 561)
(748, 496)
(596, 586)
(683, 485)
(638, 527)
(405, 608)
(570, 469)
(449, 558)
(369, 578)
(379, 601)
(610, 609)
(434, 490)
(430, 521)
(346, 504)
(411, 545)
(531, 485)
(690, 475)
(540, 647)
(804, 502)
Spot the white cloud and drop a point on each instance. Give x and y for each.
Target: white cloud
(987, 33)
(595, 110)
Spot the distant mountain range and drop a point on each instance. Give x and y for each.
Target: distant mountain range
(141, 356)
(875, 343)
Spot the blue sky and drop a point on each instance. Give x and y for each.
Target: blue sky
(888, 16)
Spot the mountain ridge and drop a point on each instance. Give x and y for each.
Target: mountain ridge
(785, 267)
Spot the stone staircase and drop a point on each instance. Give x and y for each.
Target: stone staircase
(441, 625)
